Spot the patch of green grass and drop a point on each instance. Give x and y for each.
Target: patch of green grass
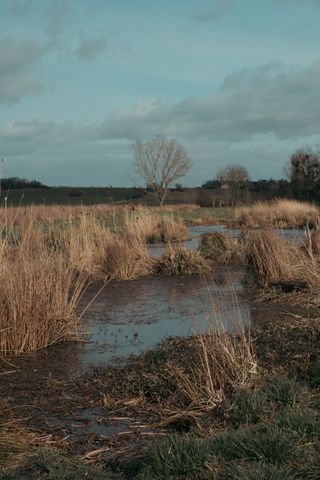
(315, 375)
(179, 457)
(284, 391)
(303, 422)
(248, 407)
(48, 465)
(264, 443)
(258, 471)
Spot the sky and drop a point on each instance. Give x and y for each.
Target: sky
(233, 81)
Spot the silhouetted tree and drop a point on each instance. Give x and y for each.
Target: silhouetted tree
(304, 173)
(237, 178)
(160, 162)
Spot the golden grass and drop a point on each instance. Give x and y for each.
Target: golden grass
(38, 299)
(178, 260)
(273, 260)
(224, 363)
(51, 213)
(282, 213)
(220, 248)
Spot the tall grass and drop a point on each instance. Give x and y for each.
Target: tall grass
(273, 260)
(280, 212)
(224, 363)
(38, 298)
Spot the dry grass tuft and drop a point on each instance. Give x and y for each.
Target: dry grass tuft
(282, 213)
(38, 299)
(220, 248)
(180, 261)
(223, 364)
(274, 261)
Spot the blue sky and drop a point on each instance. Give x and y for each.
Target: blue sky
(234, 81)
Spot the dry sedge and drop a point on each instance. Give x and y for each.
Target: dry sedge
(283, 213)
(273, 261)
(39, 294)
(224, 363)
(180, 261)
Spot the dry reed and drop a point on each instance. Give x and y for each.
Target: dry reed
(273, 260)
(178, 260)
(39, 291)
(224, 361)
(283, 213)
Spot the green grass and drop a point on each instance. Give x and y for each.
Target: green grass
(53, 466)
(69, 195)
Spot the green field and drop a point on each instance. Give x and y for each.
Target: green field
(69, 195)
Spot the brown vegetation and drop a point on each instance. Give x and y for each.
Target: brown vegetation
(180, 261)
(274, 261)
(220, 248)
(279, 213)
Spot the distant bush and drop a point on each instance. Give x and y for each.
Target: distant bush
(17, 182)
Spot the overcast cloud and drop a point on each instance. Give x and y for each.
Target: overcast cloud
(79, 81)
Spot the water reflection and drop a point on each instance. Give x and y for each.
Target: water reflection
(147, 310)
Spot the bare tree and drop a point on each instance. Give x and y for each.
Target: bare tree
(236, 177)
(160, 161)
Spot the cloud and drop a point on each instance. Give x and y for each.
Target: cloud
(215, 11)
(57, 13)
(90, 48)
(272, 100)
(20, 7)
(257, 117)
(302, 3)
(16, 58)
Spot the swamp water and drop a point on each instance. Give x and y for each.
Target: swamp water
(126, 318)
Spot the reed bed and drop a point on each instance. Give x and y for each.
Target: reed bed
(53, 213)
(38, 299)
(282, 213)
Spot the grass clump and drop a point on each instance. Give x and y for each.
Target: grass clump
(284, 391)
(219, 248)
(274, 261)
(258, 471)
(38, 299)
(180, 261)
(304, 422)
(49, 465)
(267, 443)
(179, 457)
(248, 407)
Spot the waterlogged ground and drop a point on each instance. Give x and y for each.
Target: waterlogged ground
(195, 233)
(126, 318)
(129, 317)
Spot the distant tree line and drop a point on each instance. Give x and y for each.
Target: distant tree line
(303, 170)
(12, 183)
